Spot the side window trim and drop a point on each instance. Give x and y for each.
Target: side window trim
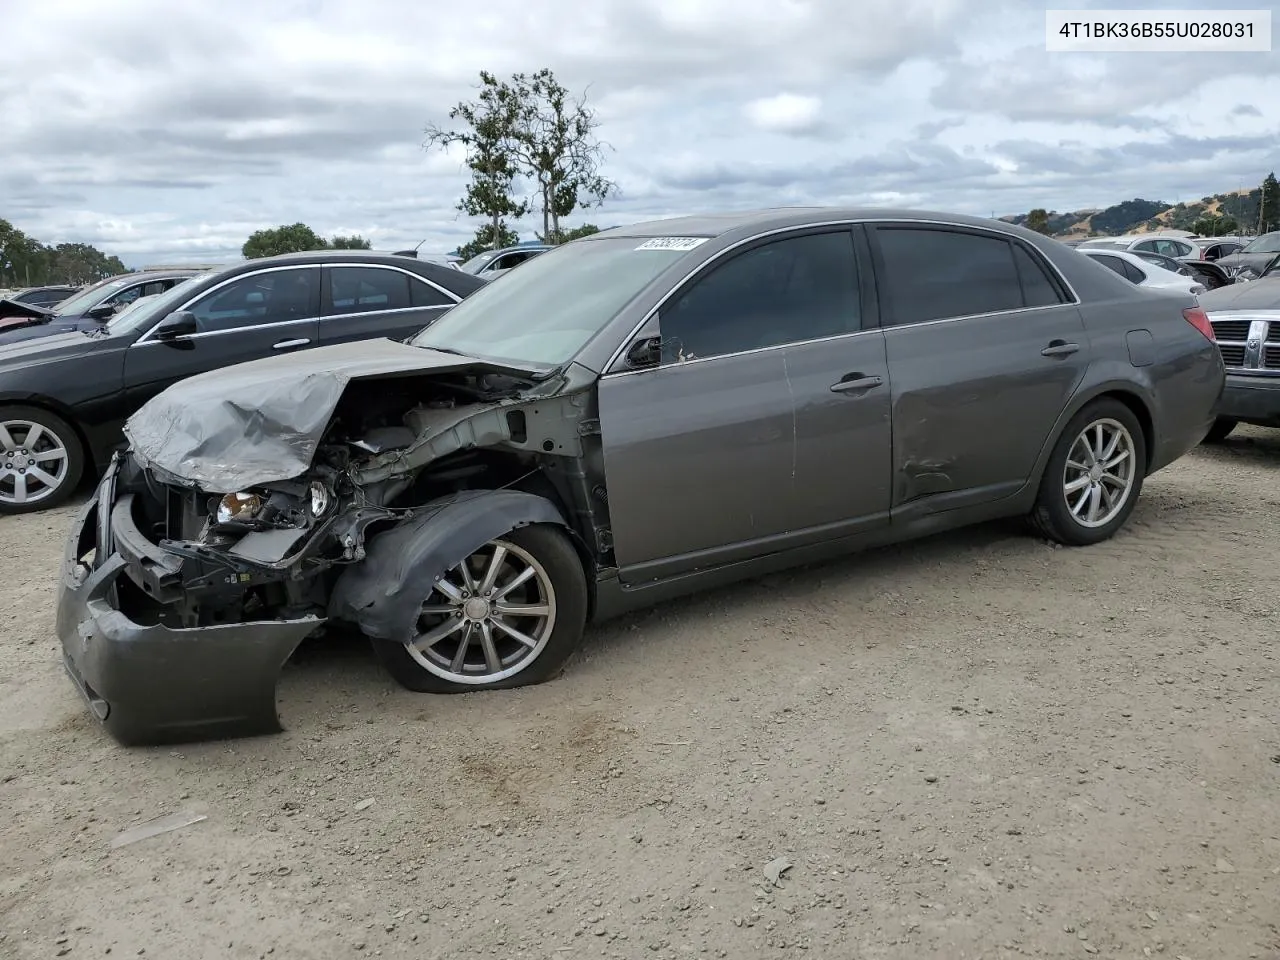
(848, 229)
(194, 298)
(1039, 259)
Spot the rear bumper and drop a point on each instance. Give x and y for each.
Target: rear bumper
(1251, 400)
(151, 683)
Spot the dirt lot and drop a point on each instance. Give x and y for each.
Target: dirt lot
(975, 746)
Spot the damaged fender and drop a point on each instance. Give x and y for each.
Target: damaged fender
(383, 594)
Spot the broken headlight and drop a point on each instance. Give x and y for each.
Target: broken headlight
(238, 507)
(321, 499)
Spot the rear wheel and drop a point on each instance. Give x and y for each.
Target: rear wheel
(1094, 475)
(41, 460)
(1220, 430)
(511, 614)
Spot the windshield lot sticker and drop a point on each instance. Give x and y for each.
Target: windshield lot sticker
(672, 243)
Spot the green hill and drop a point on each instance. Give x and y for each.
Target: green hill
(1144, 216)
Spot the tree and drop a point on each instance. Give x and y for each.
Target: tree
(1038, 220)
(488, 134)
(556, 147)
(294, 238)
(574, 233)
(1212, 225)
(485, 239)
(1269, 215)
(353, 242)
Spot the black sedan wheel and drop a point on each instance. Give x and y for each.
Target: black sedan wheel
(41, 460)
(510, 614)
(1093, 477)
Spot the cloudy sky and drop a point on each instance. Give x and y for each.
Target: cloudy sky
(164, 130)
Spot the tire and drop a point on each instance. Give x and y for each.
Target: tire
(41, 460)
(1053, 513)
(1220, 430)
(558, 584)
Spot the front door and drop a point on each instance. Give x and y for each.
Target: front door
(986, 347)
(366, 301)
(254, 315)
(764, 425)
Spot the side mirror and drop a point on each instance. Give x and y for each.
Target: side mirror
(103, 311)
(645, 353)
(182, 323)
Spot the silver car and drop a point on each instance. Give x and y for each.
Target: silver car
(632, 416)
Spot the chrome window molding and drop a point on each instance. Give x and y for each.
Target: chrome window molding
(848, 224)
(397, 310)
(223, 333)
(187, 304)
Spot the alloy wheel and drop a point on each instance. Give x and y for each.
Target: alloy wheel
(1099, 474)
(34, 462)
(487, 618)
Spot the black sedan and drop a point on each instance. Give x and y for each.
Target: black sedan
(46, 296)
(87, 310)
(64, 398)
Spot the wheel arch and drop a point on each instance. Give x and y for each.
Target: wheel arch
(1124, 393)
(40, 402)
(383, 593)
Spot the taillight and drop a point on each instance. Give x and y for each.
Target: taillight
(1200, 320)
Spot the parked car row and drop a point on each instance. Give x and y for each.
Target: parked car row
(87, 310)
(65, 395)
(629, 417)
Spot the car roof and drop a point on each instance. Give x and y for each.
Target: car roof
(750, 222)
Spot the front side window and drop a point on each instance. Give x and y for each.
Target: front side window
(274, 297)
(937, 274)
(366, 289)
(786, 291)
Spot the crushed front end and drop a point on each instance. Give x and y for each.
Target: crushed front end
(213, 548)
(150, 671)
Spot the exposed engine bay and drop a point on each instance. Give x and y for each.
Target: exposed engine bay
(392, 448)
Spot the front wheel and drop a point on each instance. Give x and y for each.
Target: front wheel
(41, 460)
(511, 614)
(1094, 475)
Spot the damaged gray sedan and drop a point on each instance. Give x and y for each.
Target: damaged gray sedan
(637, 415)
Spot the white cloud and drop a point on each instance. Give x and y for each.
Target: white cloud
(159, 129)
(784, 113)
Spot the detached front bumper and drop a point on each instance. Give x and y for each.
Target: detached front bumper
(1251, 399)
(150, 683)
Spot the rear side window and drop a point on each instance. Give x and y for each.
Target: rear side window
(423, 294)
(933, 274)
(1038, 290)
(1112, 263)
(366, 289)
(1131, 272)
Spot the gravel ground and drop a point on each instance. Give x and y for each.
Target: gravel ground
(976, 746)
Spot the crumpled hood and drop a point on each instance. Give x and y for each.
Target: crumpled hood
(261, 421)
(1261, 294)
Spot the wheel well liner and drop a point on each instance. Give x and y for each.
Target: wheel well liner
(383, 593)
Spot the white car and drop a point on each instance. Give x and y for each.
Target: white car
(1180, 248)
(1145, 274)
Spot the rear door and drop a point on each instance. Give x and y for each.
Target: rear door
(249, 316)
(366, 301)
(764, 425)
(985, 348)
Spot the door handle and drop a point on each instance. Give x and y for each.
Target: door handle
(856, 382)
(290, 344)
(1059, 348)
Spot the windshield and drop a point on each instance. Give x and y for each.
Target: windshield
(147, 310)
(478, 261)
(90, 298)
(1267, 243)
(545, 312)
